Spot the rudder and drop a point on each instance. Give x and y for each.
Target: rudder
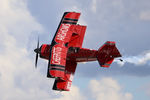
(107, 53)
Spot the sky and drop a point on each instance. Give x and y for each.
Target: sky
(124, 21)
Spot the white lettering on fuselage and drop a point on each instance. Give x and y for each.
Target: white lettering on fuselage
(58, 50)
(63, 31)
(57, 55)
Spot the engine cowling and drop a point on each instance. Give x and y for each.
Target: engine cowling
(45, 51)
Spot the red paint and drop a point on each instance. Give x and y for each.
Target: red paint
(65, 82)
(66, 51)
(72, 15)
(77, 36)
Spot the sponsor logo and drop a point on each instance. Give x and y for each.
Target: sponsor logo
(63, 32)
(69, 81)
(71, 77)
(57, 55)
(68, 85)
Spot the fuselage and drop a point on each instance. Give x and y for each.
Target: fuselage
(73, 54)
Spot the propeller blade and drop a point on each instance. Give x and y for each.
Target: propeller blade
(36, 60)
(37, 52)
(38, 43)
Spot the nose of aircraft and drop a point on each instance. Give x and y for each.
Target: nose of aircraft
(37, 50)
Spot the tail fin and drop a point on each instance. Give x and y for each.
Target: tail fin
(107, 53)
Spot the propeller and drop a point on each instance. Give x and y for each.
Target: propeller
(37, 51)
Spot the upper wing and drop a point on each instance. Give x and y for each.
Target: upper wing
(59, 45)
(64, 84)
(107, 53)
(76, 39)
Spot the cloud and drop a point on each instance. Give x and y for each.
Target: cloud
(146, 88)
(94, 6)
(17, 20)
(138, 60)
(104, 89)
(108, 89)
(74, 94)
(145, 15)
(18, 80)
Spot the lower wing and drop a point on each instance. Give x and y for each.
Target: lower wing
(64, 84)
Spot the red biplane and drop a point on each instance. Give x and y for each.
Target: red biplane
(65, 51)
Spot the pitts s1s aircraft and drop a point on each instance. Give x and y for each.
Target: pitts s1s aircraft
(65, 51)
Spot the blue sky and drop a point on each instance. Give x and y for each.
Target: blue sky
(124, 21)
